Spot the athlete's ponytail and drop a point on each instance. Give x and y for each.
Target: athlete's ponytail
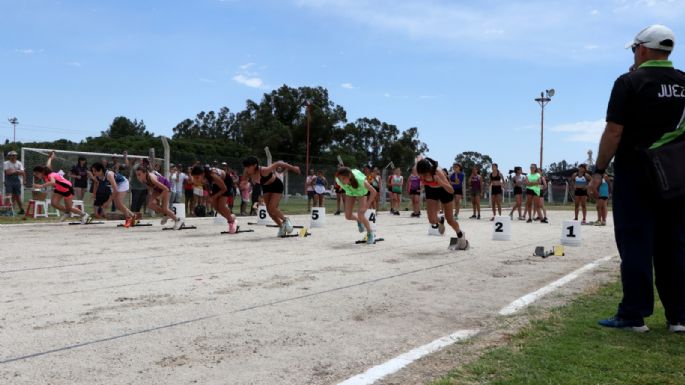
(426, 166)
(347, 173)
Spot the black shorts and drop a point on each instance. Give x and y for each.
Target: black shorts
(496, 190)
(216, 189)
(275, 187)
(138, 198)
(438, 193)
(414, 192)
(531, 193)
(604, 198)
(311, 194)
(101, 198)
(188, 193)
(66, 194)
(518, 190)
(580, 192)
(458, 190)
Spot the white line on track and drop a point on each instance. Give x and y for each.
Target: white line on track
(394, 365)
(377, 372)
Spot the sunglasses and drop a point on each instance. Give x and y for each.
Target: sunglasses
(634, 47)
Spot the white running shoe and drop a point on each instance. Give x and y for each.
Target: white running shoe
(84, 218)
(178, 224)
(63, 217)
(164, 220)
(281, 231)
(288, 225)
(462, 243)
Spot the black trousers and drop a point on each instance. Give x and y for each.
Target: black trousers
(650, 235)
(138, 200)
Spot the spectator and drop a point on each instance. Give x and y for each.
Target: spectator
(14, 174)
(79, 173)
(188, 192)
(309, 188)
(320, 184)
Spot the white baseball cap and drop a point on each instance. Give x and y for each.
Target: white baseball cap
(656, 37)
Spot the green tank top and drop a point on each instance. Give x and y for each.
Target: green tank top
(535, 178)
(351, 191)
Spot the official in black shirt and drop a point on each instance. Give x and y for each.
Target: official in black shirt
(645, 103)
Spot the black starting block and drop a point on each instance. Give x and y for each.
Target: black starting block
(87, 223)
(453, 244)
(184, 227)
(275, 226)
(359, 242)
(137, 225)
(238, 231)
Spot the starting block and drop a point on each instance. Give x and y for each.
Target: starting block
(184, 227)
(238, 231)
(303, 233)
(541, 252)
(454, 244)
(87, 223)
(136, 225)
(559, 251)
(364, 241)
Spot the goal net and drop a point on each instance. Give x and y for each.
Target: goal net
(65, 160)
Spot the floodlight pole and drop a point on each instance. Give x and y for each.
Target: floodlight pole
(543, 100)
(14, 122)
(309, 121)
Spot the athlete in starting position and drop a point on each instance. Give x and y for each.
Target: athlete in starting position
(159, 188)
(439, 190)
(62, 190)
(272, 188)
(218, 180)
(356, 187)
(119, 186)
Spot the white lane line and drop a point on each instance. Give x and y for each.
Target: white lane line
(377, 372)
(527, 299)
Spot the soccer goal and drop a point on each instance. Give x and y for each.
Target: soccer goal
(65, 160)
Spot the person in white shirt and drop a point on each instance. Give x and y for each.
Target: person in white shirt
(14, 174)
(178, 178)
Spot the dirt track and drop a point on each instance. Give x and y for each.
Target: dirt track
(102, 305)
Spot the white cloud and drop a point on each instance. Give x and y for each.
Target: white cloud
(205, 80)
(594, 12)
(591, 47)
(27, 51)
(348, 86)
(74, 64)
(253, 82)
(246, 66)
(584, 131)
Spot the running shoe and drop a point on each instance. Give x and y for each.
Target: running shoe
(511, 216)
(337, 212)
(583, 222)
(128, 222)
(164, 220)
(288, 225)
(360, 227)
(522, 218)
(478, 217)
(441, 225)
(178, 224)
(472, 217)
(544, 220)
(233, 227)
(63, 217)
(21, 212)
(636, 325)
(676, 327)
(397, 212)
(462, 243)
(598, 223)
(281, 231)
(85, 218)
(529, 221)
(370, 238)
(492, 219)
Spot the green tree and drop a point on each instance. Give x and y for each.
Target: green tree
(122, 126)
(468, 159)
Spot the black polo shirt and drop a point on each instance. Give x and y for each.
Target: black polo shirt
(648, 103)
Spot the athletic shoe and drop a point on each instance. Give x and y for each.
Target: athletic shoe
(281, 231)
(522, 218)
(529, 221)
(462, 243)
(441, 226)
(472, 217)
(233, 227)
(636, 325)
(583, 222)
(676, 327)
(337, 212)
(478, 217)
(492, 219)
(128, 222)
(511, 216)
(360, 227)
(21, 212)
(85, 218)
(544, 220)
(370, 238)
(63, 217)
(164, 219)
(288, 225)
(598, 223)
(178, 224)
(397, 212)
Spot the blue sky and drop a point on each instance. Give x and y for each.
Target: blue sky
(465, 73)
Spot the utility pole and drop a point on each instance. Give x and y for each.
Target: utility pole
(14, 122)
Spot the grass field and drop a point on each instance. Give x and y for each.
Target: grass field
(568, 347)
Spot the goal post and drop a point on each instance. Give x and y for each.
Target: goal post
(64, 161)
